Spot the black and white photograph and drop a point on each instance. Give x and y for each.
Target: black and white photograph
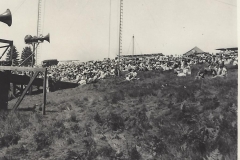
(119, 79)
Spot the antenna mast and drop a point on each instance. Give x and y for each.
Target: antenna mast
(39, 21)
(120, 32)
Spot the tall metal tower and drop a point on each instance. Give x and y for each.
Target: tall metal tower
(39, 31)
(120, 29)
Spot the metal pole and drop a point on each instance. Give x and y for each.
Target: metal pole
(33, 45)
(44, 91)
(133, 44)
(31, 74)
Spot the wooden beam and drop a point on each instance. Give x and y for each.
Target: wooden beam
(4, 52)
(13, 68)
(4, 46)
(24, 92)
(6, 41)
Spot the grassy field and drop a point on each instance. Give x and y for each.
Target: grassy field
(160, 116)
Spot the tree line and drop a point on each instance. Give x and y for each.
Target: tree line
(17, 59)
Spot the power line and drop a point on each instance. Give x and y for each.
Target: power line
(129, 46)
(78, 15)
(139, 47)
(16, 9)
(74, 21)
(151, 16)
(226, 3)
(109, 30)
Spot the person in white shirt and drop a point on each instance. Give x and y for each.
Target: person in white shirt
(83, 80)
(235, 62)
(224, 71)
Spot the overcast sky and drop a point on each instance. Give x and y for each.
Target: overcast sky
(79, 29)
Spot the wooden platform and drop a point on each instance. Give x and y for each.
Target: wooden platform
(23, 80)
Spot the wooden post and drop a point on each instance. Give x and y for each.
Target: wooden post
(21, 88)
(14, 89)
(47, 84)
(44, 91)
(11, 52)
(4, 89)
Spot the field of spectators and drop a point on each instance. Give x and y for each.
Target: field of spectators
(157, 115)
(94, 71)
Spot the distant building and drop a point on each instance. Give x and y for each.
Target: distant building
(233, 50)
(139, 56)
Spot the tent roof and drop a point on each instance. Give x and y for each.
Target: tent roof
(193, 51)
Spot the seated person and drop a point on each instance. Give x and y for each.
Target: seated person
(189, 71)
(177, 70)
(182, 73)
(131, 75)
(235, 62)
(83, 80)
(222, 72)
(200, 74)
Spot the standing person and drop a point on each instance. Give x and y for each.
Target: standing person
(221, 62)
(117, 70)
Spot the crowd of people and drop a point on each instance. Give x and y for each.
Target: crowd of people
(93, 71)
(81, 73)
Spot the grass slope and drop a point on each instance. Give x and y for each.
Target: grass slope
(160, 116)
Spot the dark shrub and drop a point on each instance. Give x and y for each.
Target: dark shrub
(133, 154)
(115, 122)
(43, 140)
(8, 140)
(117, 96)
(76, 128)
(210, 103)
(98, 119)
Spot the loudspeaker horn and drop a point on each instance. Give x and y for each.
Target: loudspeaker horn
(6, 17)
(46, 38)
(28, 39)
(34, 39)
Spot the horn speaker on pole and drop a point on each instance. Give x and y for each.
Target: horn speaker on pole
(6, 17)
(46, 38)
(29, 39)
